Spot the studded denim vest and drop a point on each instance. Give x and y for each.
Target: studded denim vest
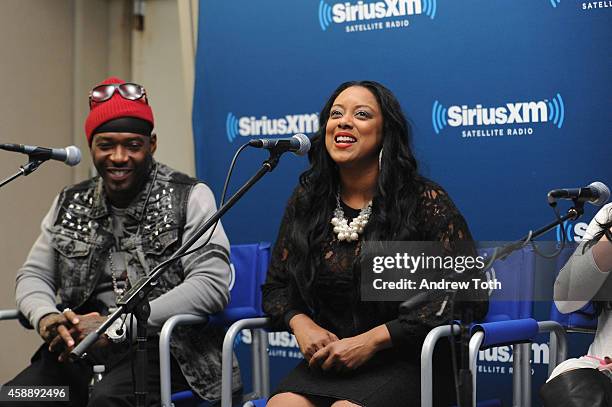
(82, 236)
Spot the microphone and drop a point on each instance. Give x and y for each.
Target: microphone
(596, 193)
(71, 155)
(422, 298)
(299, 144)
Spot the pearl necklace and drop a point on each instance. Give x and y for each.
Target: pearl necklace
(350, 231)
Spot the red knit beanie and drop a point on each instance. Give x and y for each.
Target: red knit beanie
(117, 106)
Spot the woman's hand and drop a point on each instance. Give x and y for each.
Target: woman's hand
(608, 365)
(350, 353)
(310, 336)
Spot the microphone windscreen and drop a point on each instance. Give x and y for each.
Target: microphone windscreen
(304, 143)
(604, 192)
(73, 155)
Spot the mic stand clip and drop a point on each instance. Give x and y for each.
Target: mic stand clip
(26, 169)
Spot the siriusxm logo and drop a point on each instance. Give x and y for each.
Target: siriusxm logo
(574, 231)
(555, 2)
(540, 354)
(362, 11)
(282, 339)
(511, 113)
(264, 126)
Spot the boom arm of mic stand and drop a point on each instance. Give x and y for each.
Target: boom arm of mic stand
(24, 170)
(467, 315)
(465, 375)
(142, 288)
(572, 214)
(81, 348)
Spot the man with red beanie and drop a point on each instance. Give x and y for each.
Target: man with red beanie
(104, 234)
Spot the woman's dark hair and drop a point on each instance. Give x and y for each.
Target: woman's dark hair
(397, 191)
(605, 227)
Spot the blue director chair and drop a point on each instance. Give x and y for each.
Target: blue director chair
(249, 264)
(508, 322)
(582, 321)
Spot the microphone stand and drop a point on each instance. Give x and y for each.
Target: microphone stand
(136, 300)
(465, 375)
(573, 213)
(26, 169)
(467, 314)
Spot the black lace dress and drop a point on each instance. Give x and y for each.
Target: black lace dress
(392, 376)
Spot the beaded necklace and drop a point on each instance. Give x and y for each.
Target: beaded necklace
(350, 231)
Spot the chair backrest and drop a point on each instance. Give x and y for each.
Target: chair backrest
(516, 275)
(583, 320)
(249, 264)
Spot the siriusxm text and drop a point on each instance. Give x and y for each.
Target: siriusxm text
(521, 112)
(347, 12)
(290, 124)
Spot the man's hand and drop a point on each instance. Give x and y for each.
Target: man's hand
(84, 325)
(310, 336)
(53, 326)
(350, 353)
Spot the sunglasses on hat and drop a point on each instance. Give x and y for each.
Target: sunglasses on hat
(130, 91)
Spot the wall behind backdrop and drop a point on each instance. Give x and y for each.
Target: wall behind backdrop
(508, 99)
(63, 48)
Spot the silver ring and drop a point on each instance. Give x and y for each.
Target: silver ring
(66, 310)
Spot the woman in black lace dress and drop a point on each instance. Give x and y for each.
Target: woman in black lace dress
(362, 169)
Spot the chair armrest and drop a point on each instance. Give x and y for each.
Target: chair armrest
(230, 336)
(9, 314)
(427, 360)
(228, 350)
(507, 332)
(515, 332)
(164, 351)
(558, 343)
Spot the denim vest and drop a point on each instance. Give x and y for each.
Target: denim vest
(82, 236)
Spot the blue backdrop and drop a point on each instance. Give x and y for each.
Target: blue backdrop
(508, 99)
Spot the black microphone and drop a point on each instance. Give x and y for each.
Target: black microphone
(71, 155)
(299, 144)
(422, 298)
(596, 193)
